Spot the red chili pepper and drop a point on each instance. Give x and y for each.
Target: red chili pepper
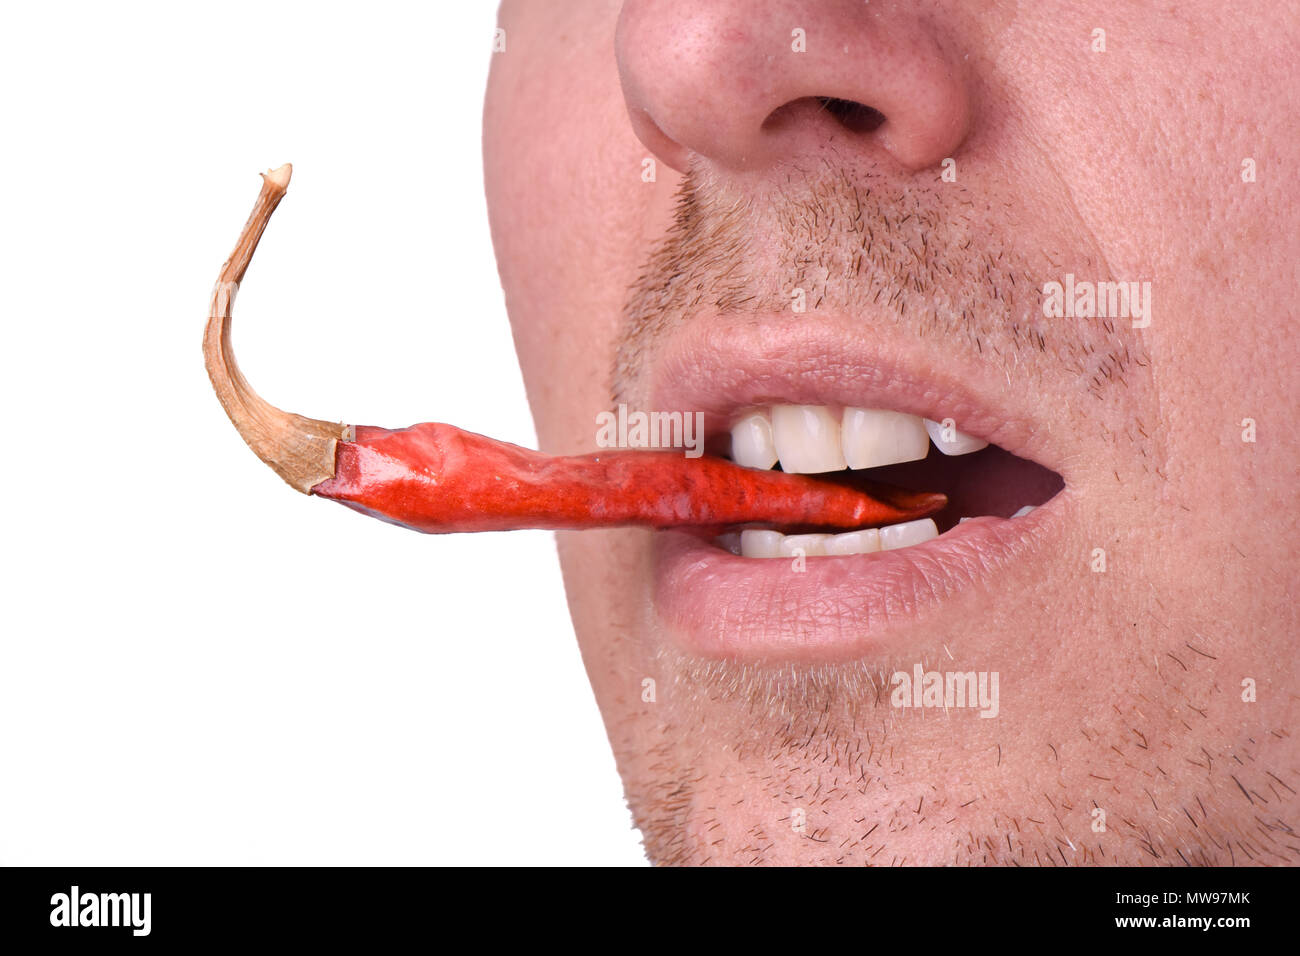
(438, 478)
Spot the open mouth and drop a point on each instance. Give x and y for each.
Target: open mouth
(856, 446)
(839, 399)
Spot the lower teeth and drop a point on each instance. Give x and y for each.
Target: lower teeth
(755, 543)
(763, 543)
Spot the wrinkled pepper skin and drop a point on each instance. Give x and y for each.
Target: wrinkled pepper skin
(440, 479)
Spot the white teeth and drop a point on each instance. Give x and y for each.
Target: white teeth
(956, 443)
(872, 437)
(811, 544)
(854, 542)
(761, 544)
(751, 441)
(755, 543)
(908, 533)
(807, 439)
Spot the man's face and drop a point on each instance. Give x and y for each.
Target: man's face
(727, 207)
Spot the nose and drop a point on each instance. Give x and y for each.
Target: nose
(749, 83)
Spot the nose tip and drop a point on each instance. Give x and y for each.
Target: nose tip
(748, 83)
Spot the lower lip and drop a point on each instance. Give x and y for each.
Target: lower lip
(716, 604)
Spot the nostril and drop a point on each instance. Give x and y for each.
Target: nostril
(853, 116)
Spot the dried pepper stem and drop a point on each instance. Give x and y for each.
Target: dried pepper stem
(300, 450)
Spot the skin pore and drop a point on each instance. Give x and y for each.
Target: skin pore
(1121, 691)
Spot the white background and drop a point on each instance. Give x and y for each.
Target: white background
(197, 664)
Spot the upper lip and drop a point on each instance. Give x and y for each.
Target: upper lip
(729, 363)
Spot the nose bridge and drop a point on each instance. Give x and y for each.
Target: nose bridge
(704, 78)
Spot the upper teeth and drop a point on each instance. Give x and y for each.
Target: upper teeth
(808, 439)
(873, 437)
(952, 442)
(751, 441)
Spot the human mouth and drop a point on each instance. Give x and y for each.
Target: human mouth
(806, 398)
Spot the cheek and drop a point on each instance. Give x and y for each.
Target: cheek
(570, 210)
